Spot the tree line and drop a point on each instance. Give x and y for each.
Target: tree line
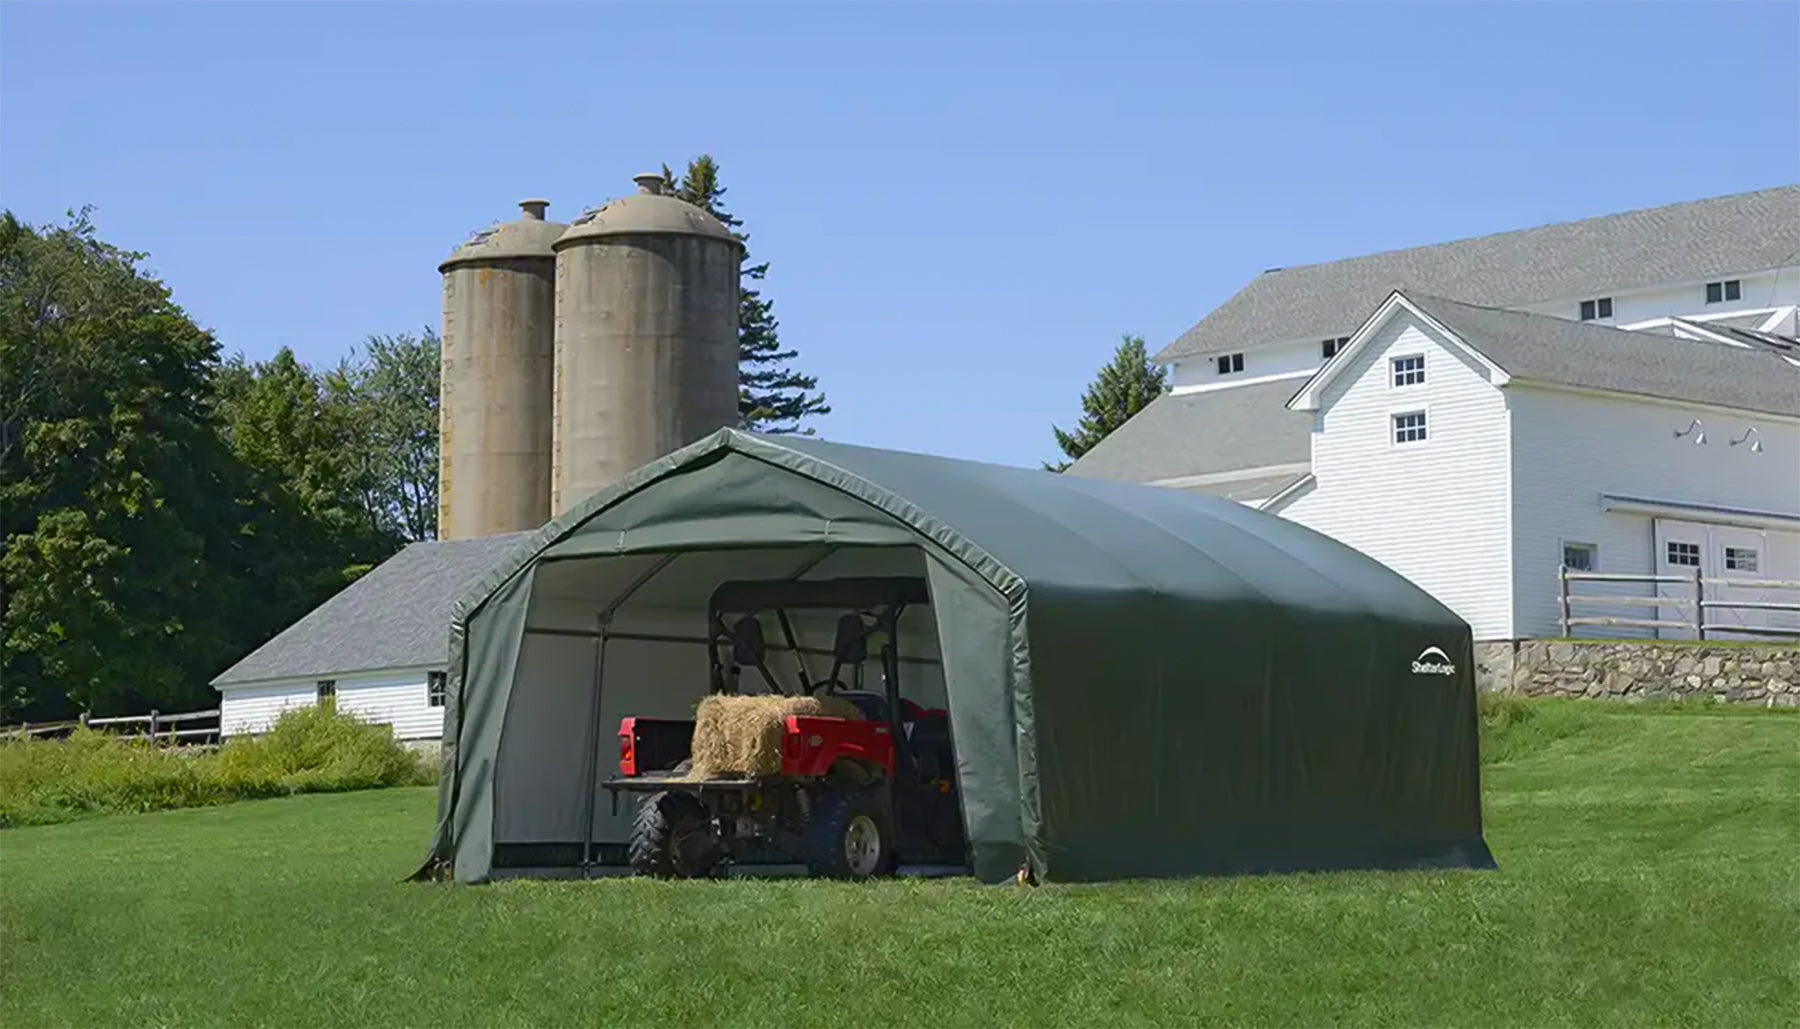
(166, 508)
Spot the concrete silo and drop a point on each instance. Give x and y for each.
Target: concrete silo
(495, 399)
(646, 337)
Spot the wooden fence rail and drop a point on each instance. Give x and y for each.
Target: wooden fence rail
(157, 727)
(1694, 607)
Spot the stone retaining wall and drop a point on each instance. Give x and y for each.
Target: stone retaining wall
(1766, 675)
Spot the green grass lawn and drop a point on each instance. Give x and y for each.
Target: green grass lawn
(1650, 875)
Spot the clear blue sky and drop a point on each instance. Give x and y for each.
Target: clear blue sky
(964, 205)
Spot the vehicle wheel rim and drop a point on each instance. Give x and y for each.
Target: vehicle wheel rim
(862, 845)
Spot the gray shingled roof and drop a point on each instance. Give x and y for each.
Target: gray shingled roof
(1258, 488)
(1541, 348)
(396, 616)
(1690, 241)
(1220, 430)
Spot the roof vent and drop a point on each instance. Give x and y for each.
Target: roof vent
(649, 182)
(534, 209)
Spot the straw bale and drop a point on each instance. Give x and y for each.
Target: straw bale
(741, 736)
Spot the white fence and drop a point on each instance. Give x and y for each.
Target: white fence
(1694, 599)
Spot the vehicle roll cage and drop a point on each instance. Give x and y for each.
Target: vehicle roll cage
(733, 645)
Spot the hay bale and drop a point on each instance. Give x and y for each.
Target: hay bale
(741, 736)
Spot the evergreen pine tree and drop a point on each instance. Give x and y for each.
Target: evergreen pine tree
(1123, 388)
(772, 396)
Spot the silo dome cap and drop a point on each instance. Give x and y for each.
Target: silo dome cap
(649, 211)
(528, 236)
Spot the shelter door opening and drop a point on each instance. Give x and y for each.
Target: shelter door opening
(849, 777)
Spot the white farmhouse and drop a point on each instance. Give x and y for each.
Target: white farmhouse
(1620, 394)
(378, 647)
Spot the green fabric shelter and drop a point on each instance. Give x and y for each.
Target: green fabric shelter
(1141, 681)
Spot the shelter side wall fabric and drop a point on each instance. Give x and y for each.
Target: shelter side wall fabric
(491, 657)
(657, 680)
(1241, 742)
(544, 744)
(973, 631)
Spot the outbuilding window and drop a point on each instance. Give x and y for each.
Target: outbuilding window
(1684, 554)
(434, 689)
(1231, 363)
(327, 690)
(1409, 371)
(1581, 557)
(1409, 427)
(1719, 292)
(1740, 559)
(1599, 308)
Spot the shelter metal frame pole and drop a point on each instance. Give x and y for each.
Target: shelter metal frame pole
(591, 757)
(665, 637)
(590, 760)
(890, 671)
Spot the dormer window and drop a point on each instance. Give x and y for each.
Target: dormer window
(1329, 348)
(1599, 308)
(1410, 370)
(1719, 292)
(1231, 363)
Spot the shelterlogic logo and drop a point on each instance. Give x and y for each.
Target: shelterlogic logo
(1432, 661)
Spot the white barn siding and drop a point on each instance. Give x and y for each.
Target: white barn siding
(252, 709)
(1569, 448)
(1261, 363)
(1438, 512)
(1760, 289)
(397, 698)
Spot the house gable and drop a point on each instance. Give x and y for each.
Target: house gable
(1436, 509)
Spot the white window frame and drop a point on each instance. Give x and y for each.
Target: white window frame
(325, 691)
(1593, 550)
(1334, 345)
(1725, 288)
(437, 688)
(1234, 364)
(1668, 554)
(1737, 553)
(1393, 428)
(1599, 316)
(1394, 370)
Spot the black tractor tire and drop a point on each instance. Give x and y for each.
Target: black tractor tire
(851, 834)
(671, 838)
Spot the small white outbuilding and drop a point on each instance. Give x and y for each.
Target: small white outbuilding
(379, 646)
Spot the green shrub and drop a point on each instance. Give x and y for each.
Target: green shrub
(308, 750)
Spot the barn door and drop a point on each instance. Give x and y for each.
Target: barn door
(1740, 555)
(1681, 549)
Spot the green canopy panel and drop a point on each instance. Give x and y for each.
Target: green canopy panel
(1141, 681)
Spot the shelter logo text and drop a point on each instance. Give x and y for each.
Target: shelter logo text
(1425, 664)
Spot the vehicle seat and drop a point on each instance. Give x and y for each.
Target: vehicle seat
(872, 705)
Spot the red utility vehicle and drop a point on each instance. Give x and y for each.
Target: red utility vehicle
(854, 798)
